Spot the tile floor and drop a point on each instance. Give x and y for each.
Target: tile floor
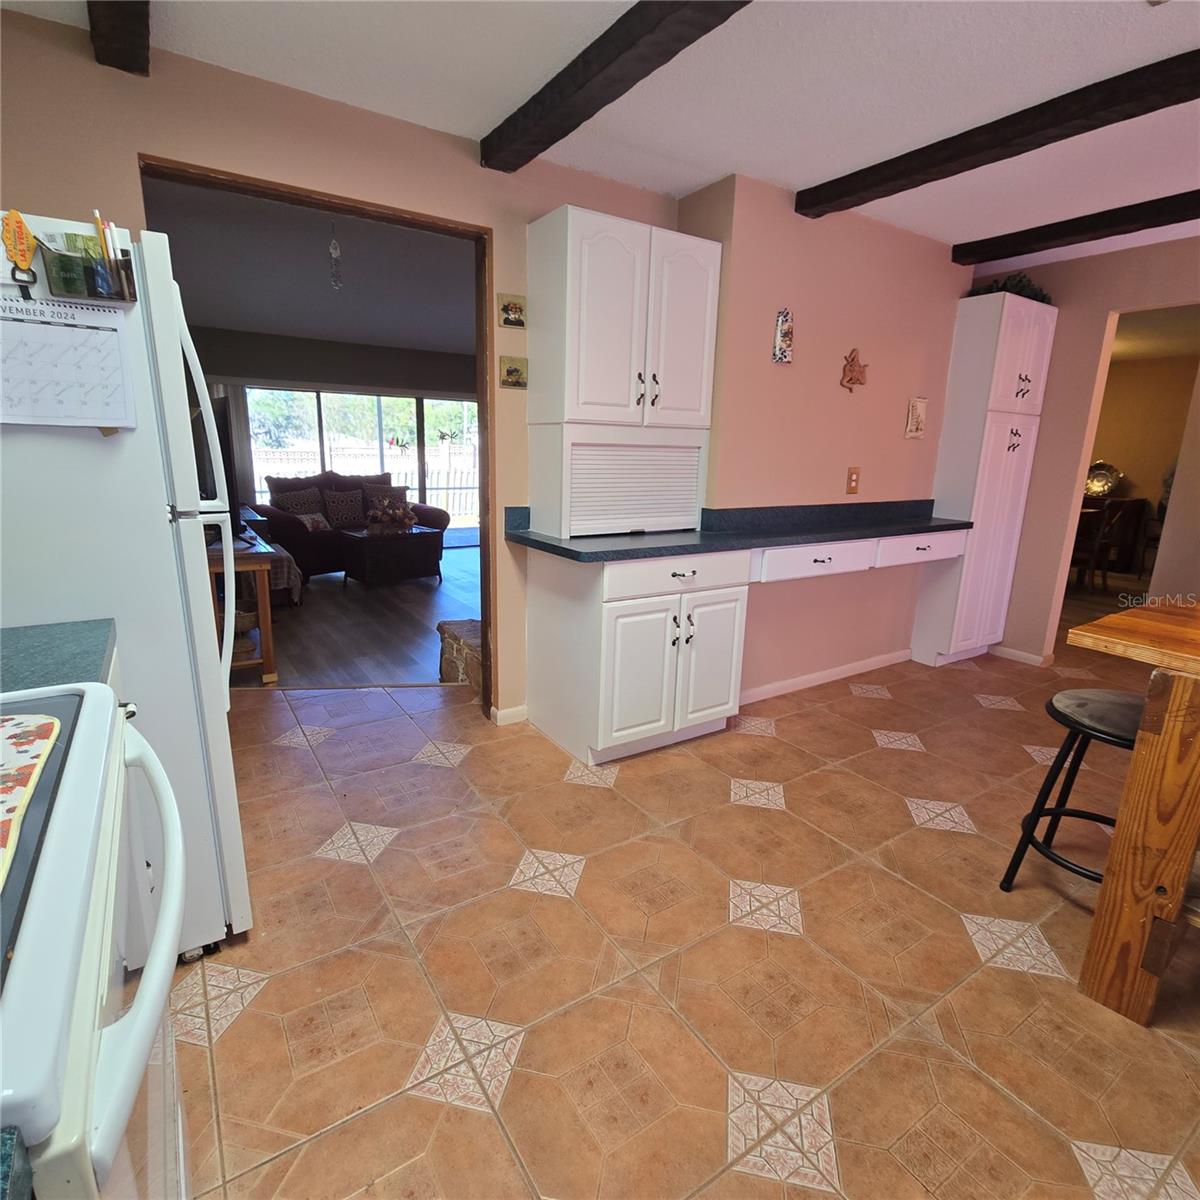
(772, 963)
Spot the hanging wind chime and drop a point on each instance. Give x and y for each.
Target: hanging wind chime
(335, 259)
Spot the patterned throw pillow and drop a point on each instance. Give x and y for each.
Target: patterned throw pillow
(306, 501)
(312, 521)
(377, 493)
(345, 509)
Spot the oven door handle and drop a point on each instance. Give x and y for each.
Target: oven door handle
(126, 1044)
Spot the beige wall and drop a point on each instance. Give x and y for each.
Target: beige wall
(73, 131)
(1089, 293)
(785, 434)
(1145, 408)
(1177, 564)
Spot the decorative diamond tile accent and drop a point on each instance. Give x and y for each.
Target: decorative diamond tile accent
(799, 1150)
(343, 846)
(874, 690)
(1075, 673)
(1179, 1185)
(963, 664)
(304, 735)
(759, 726)
(1029, 951)
(936, 814)
(549, 873)
(894, 739)
(765, 906)
(230, 989)
(188, 1018)
(1044, 755)
(373, 839)
(1117, 1174)
(442, 754)
(442, 1073)
(1008, 702)
(756, 792)
(579, 772)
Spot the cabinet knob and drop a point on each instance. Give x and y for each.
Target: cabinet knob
(684, 574)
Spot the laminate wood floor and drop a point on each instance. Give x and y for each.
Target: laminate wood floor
(381, 636)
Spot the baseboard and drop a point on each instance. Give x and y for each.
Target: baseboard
(509, 716)
(782, 686)
(1023, 656)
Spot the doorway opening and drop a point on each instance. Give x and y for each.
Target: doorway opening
(345, 345)
(1136, 454)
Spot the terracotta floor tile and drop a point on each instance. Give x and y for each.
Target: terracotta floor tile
(288, 825)
(465, 723)
(257, 716)
(515, 956)
(924, 775)
(408, 793)
(573, 818)
(429, 699)
(427, 868)
(407, 1147)
(267, 769)
(303, 910)
(746, 756)
(780, 706)
(976, 749)
(773, 1004)
(654, 895)
(671, 784)
(1029, 726)
(763, 845)
(1089, 1072)
(820, 731)
(514, 764)
(848, 807)
(939, 695)
(903, 942)
(353, 749)
(877, 713)
(199, 1105)
(613, 1099)
(334, 708)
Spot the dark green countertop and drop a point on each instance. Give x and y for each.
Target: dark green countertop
(34, 656)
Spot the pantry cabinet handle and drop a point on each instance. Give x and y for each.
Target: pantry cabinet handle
(657, 390)
(675, 622)
(684, 574)
(687, 641)
(642, 384)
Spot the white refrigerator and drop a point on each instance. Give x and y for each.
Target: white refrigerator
(120, 526)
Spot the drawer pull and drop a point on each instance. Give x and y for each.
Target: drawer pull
(924, 547)
(684, 574)
(824, 560)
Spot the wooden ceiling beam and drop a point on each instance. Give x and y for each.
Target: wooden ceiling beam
(1132, 94)
(635, 45)
(1130, 218)
(121, 34)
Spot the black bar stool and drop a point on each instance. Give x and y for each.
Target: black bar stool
(1090, 714)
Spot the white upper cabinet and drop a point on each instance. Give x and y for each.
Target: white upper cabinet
(622, 322)
(685, 277)
(1023, 339)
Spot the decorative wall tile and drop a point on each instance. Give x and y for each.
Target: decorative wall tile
(765, 906)
(874, 690)
(937, 814)
(547, 872)
(1007, 702)
(579, 772)
(759, 726)
(756, 792)
(442, 754)
(894, 739)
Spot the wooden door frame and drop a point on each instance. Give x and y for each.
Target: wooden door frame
(154, 167)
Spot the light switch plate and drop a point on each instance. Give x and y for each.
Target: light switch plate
(852, 481)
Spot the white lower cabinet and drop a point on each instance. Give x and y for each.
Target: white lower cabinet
(709, 676)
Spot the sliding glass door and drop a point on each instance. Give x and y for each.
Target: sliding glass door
(430, 446)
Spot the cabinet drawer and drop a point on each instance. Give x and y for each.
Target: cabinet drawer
(920, 547)
(659, 576)
(820, 558)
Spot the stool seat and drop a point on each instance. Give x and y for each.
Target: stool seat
(1100, 713)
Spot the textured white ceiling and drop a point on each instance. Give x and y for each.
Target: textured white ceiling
(400, 287)
(1159, 333)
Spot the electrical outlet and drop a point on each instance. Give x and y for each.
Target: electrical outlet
(851, 481)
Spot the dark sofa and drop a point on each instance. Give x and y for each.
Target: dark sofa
(319, 551)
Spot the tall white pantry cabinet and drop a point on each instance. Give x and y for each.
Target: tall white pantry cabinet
(993, 403)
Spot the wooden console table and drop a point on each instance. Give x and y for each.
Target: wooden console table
(251, 555)
(1140, 907)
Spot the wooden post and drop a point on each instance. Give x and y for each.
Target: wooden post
(1154, 845)
(266, 635)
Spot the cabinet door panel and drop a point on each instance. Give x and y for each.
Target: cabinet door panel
(685, 274)
(710, 663)
(637, 686)
(606, 334)
(1022, 356)
(1004, 467)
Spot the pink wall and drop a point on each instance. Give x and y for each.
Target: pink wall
(1089, 293)
(785, 434)
(73, 131)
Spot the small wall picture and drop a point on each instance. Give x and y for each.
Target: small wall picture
(510, 310)
(854, 372)
(781, 351)
(514, 372)
(914, 425)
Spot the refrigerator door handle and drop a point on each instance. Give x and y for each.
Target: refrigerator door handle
(221, 503)
(225, 522)
(125, 1046)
